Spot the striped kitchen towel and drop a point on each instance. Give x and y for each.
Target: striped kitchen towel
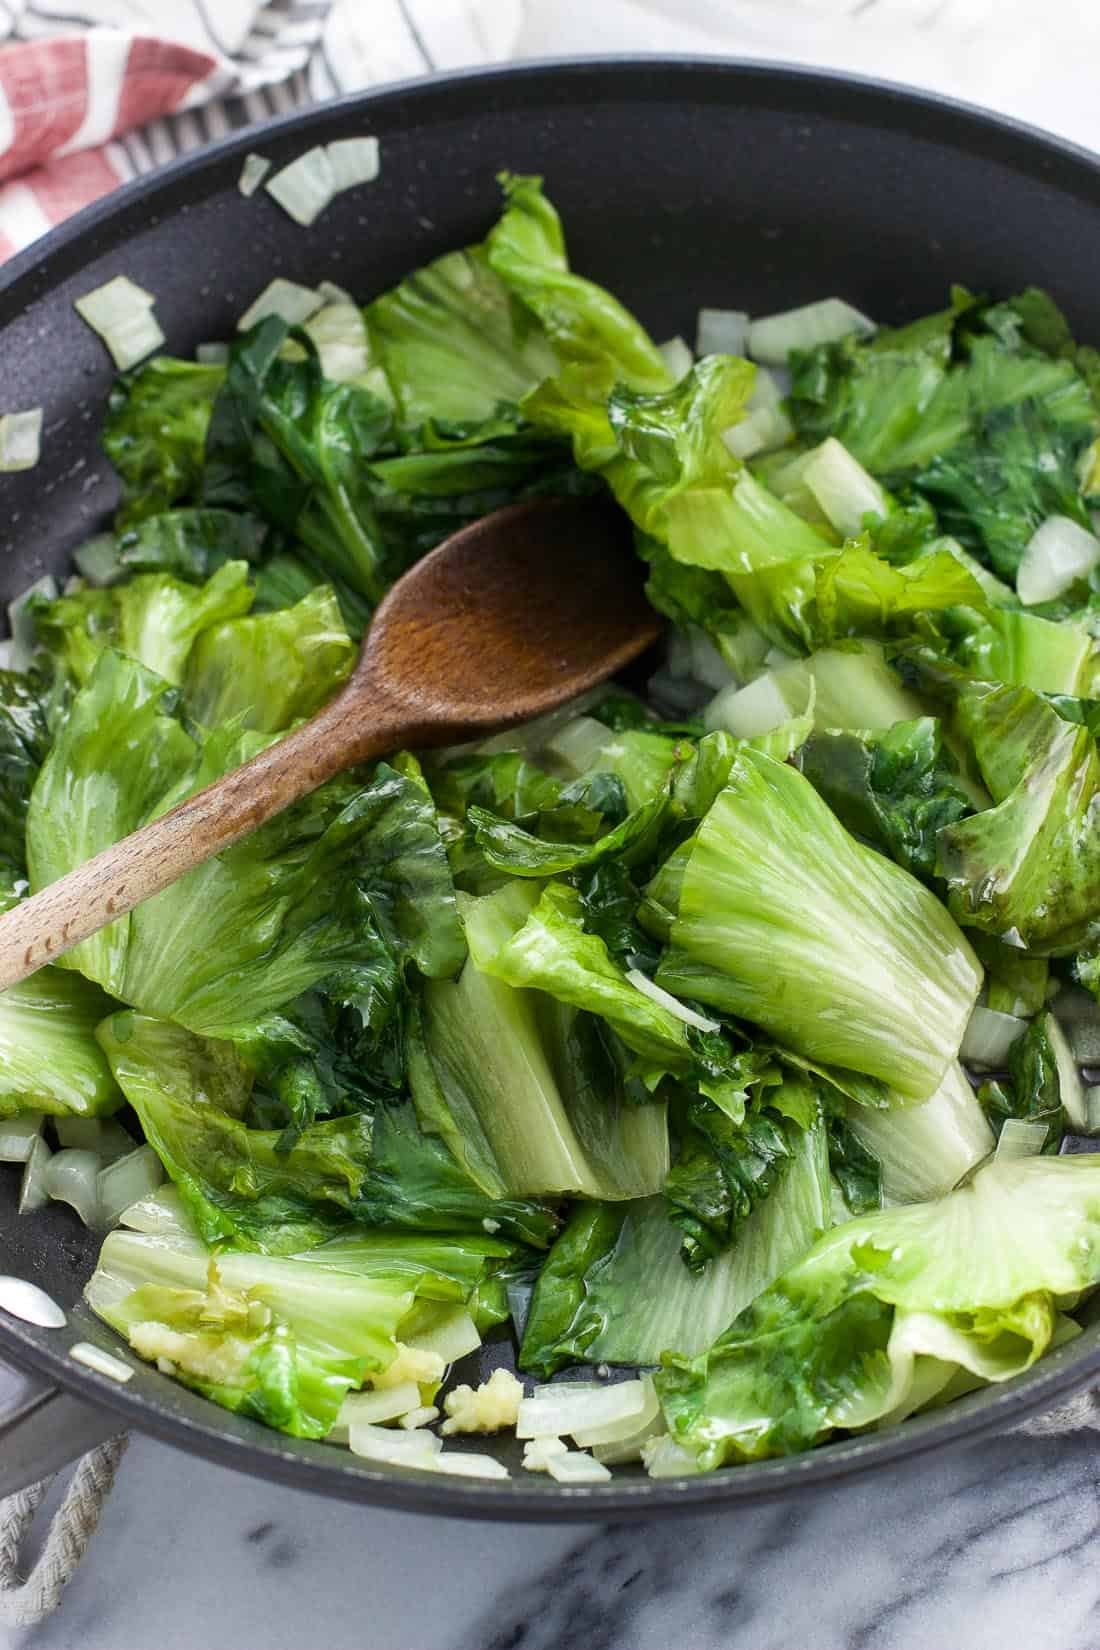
(94, 91)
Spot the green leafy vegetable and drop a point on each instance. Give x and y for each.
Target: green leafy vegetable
(897, 789)
(787, 921)
(1025, 868)
(270, 669)
(49, 1059)
(94, 788)
(155, 433)
(153, 618)
(614, 1288)
(836, 1342)
(456, 346)
(279, 1340)
(595, 339)
(24, 741)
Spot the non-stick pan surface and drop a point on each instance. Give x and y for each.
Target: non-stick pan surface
(681, 183)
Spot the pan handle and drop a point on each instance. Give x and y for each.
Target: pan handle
(43, 1428)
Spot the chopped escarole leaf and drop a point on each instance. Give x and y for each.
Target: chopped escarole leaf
(24, 742)
(532, 940)
(597, 342)
(614, 1288)
(269, 669)
(524, 1089)
(1042, 1085)
(727, 1165)
(786, 920)
(153, 618)
(455, 344)
(923, 1151)
(237, 1183)
(281, 1340)
(117, 752)
(155, 433)
(970, 1280)
(49, 1058)
(896, 789)
(288, 444)
(1026, 868)
(250, 930)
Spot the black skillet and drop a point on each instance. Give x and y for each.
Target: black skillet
(682, 183)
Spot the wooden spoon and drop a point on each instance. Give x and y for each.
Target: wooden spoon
(506, 619)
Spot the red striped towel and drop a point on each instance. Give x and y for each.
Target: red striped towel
(83, 109)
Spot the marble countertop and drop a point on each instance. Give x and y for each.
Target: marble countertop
(983, 1547)
(986, 1546)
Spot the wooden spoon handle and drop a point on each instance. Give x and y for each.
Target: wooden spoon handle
(41, 928)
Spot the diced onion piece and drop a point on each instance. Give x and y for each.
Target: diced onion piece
(102, 1135)
(1083, 1037)
(765, 425)
(161, 1214)
(71, 1176)
(213, 354)
(286, 299)
(773, 337)
(989, 1036)
(575, 1467)
(339, 334)
(305, 187)
(21, 620)
(843, 488)
(395, 1448)
(538, 1451)
(554, 1413)
(1092, 1110)
(1069, 1078)
(30, 1303)
(642, 983)
(760, 431)
(677, 357)
(104, 1363)
(614, 1432)
(707, 664)
(1058, 554)
(721, 332)
(469, 1465)
(353, 161)
(97, 559)
(451, 1338)
(122, 314)
(125, 1181)
(422, 1416)
(33, 1193)
(376, 1407)
(664, 1458)
(763, 705)
(631, 1448)
(1019, 1138)
(253, 173)
(18, 1135)
(578, 744)
(333, 294)
(20, 440)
